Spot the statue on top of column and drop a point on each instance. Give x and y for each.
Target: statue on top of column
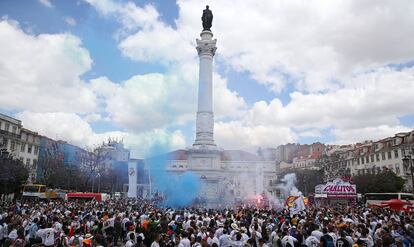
(207, 19)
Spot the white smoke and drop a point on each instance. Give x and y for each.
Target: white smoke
(288, 186)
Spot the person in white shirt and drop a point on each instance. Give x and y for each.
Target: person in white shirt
(76, 240)
(131, 240)
(239, 241)
(212, 239)
(184, 240)
(225, 240)
(262, 243)
(47, 235)
(156, 242)
(312, 241)
(288, 239)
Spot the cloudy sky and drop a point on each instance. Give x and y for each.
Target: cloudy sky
(285, 71)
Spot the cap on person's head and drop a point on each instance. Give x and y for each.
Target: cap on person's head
(234, 226)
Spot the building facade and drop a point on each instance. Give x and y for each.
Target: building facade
(10, 134)
(370, 158)
(29, 152)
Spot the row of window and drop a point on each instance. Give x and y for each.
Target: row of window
(375, 170)
(7, 128)
(28, 162)
(384, 156)
(14, 145)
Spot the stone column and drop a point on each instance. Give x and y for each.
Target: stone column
(206, 48)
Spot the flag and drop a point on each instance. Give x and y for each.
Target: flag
(297, 206)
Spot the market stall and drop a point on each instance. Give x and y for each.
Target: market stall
(337, 192)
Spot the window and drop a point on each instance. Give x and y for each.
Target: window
(372, 158)
(29, 149)
(376, 146)
(383, 156)
(12, 145)
(378, 159)
(406, 197)
(362, 160)
(36, 149)
(1, 124)
(34, 163)
(6, 127)
(397, 169)
(14, 129)
(389, 155)
(367, 158)
(5, 142)
(396, 153)
(23, 147)
(27, 161)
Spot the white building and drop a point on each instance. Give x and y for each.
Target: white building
(29, 151)
(371, 158)
(21, 143)
(10, 134)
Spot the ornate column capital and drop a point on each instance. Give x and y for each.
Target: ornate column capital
(206, 47)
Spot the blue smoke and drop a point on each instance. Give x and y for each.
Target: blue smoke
(180, 190)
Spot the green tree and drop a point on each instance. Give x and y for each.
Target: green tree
(13, 174)
(383, 182)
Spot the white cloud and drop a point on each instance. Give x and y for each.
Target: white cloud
(159, 100)
(313, 45)
(92, 117)
(371, 99)
(333, 55)
(330, 52)
(373, 133)
(46, 3)
(72, 128)
(235, 135)
(70, 21)
(41, 73)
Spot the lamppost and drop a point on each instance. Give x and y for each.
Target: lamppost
(408, 161)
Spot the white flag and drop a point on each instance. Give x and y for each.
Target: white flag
(298, 206)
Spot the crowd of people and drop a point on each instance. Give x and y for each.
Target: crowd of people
(140, 223)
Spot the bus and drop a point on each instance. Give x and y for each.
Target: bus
(34, 191)
(377, 198)
(87, 196)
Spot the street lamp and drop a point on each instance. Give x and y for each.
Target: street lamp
(408, 162)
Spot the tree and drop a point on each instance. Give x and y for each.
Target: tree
(13, 174)
(384, 182)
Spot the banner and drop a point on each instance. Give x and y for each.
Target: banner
(336, 187)
(132, 175)
(297, 206)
